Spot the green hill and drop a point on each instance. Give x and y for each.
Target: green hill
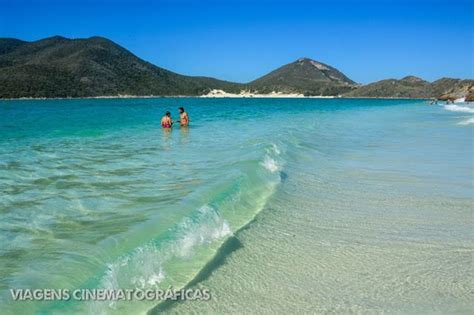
(413, 87)
(410, 86)
(305, 76)
(61, 67)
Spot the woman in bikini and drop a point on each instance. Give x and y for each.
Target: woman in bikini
(166, 121)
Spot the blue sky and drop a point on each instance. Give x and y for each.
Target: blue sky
(242, 40)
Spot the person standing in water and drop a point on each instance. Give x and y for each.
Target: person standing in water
(184, 118)
(166, 121)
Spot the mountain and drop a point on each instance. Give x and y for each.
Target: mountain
(96, 66)
(410, 87)
(414, 87)
(9, 44)
(305, 76)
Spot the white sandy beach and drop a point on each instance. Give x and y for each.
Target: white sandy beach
(243, 93)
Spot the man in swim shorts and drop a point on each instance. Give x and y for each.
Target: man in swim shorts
(184, 118)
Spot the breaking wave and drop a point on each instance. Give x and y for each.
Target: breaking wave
(469, 121)
(271, 161)
(147, 266)
(270, 164)
(175, 258)
(457, 108)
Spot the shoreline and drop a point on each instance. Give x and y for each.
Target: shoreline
(236, 96)
(229, 245)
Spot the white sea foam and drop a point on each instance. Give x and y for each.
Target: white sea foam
(156, 278)
(457, 108)
(211, 227)
(270, 164)
(273, 150)
(469, 121)
(144, 267)
(276, 149)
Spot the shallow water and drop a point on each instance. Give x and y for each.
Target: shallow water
(360, 205)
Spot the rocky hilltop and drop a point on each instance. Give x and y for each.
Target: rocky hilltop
(305, 76)
(451, 89)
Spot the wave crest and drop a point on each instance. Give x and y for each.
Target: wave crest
(469, 121)
(457, 108)
(270, 164)
(146, 266)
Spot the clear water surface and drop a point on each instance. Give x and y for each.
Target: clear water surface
(275, 205)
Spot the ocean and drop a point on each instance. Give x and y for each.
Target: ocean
(273, 205)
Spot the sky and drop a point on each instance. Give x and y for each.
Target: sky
(242, 40)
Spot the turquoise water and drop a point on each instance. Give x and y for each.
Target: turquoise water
(348, 205)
